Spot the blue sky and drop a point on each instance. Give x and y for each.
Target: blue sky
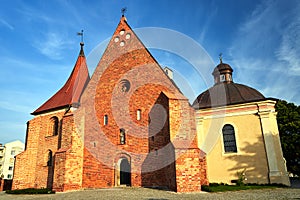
(39, 46)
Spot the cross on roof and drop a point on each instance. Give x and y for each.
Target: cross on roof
(81, 34)
(221, 57)
(123, 11)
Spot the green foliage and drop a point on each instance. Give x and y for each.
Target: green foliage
(288, 118)
(206, 188)
(31, 191)
(215, 187)
(241, 177)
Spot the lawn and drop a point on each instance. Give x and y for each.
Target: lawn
(215, 187)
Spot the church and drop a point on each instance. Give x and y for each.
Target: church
(130, 125)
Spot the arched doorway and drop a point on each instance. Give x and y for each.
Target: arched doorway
(123, 172)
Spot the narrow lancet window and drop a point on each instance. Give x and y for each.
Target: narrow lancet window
(49, 162)
(138, 114)
(105, 120)
(122, 136)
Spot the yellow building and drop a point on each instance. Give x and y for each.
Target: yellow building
(237, 128)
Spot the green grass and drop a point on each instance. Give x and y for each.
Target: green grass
(31, 191)
(215, 187)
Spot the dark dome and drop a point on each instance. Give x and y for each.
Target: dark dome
(226, 94)
(222, 67)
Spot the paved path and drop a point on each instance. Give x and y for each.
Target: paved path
(151, 194)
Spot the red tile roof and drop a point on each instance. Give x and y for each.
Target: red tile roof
(71, 92)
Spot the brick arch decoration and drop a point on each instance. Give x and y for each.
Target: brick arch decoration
(122, 155)
(53, 126)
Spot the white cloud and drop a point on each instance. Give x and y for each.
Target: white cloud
(52, 45)
(207, 22)
(6, 24)
(32, 14)
(11, 131)
(266, 50)
(289, 49)
(14, 106)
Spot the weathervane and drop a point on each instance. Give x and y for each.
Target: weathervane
(81, 34)
(220, 57)
(123, 11)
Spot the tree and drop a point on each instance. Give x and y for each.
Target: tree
(288, 119)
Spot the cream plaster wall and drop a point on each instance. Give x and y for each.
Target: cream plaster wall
(251, 153)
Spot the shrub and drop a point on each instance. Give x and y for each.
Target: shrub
(214, 184)
(241, 178)
(206, 188)
(216, 187)
(31, 191)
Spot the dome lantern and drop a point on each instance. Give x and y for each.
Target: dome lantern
(222, 73)
(225, 91)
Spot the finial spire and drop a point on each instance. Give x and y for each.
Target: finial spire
(80, 34)
(81, 43)
(221, 57)
(123, 11)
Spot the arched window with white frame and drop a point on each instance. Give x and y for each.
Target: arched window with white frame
(229, 139)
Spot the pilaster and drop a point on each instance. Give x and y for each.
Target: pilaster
(276, 162)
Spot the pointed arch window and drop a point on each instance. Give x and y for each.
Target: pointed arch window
(122, 136)
(229, 139)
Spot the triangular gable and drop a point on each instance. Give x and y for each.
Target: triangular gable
(125, 44)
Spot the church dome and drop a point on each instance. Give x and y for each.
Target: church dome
(225, 91)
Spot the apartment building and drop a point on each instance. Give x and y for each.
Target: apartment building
(7, 158)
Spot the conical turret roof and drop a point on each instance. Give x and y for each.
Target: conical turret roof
(72, 90)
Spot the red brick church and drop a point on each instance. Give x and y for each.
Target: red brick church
(123, 126)
(128, 124)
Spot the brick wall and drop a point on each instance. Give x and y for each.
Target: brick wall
(190, 170)
(95, 173)
(59, 171)
(158, 169)
(69, 158)
(25, 162)
(32, 168)
(190, 160)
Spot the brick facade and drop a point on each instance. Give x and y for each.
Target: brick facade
(133, 126)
